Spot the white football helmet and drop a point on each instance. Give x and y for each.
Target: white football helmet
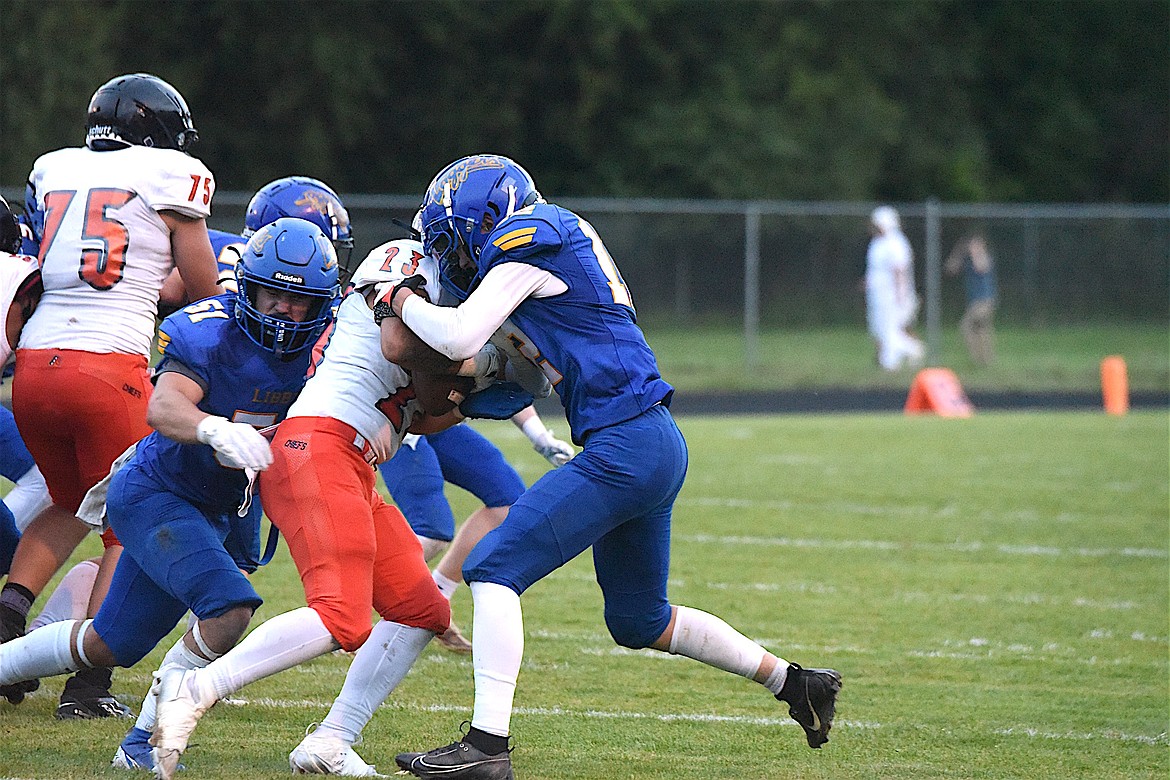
(393, 261)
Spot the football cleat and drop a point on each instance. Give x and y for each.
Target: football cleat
(452, 639)
(811, 696)
(16, 692)
(322, 754)
(181, 703)
(457, 761)
(87, 696)
(134, 752)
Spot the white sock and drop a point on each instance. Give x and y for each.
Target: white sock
(179, 655)
(28, 498)
(446, 585)
(498, 639)
(776, 679)
(42, 653)
(706, 638)
(378, 666)
(70, 599)
(275, 645)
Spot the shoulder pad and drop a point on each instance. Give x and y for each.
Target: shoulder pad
(524, 235)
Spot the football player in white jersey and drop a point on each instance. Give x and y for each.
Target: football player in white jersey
(20, 288)
(354, 551)
(113, 218)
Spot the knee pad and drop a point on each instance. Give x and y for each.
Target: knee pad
(637, 631)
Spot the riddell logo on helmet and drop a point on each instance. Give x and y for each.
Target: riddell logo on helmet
(281, 276)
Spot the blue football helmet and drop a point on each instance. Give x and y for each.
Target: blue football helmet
(138, 109)
(294, 255)
(463, 204)
(301, 196)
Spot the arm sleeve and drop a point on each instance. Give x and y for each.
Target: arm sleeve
(460, 332)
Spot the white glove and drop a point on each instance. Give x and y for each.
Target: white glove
(555, 451)
(487, 366)
(237, 445)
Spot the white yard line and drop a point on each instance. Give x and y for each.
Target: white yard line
(882, 545)
(671, 717)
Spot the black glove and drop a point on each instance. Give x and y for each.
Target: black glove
(383, 309)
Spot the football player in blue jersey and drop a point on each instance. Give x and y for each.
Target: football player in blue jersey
(231, 365)
(292, 196)
(509, 255)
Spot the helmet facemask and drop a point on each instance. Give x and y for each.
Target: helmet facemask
(290, 255)
(463, 205)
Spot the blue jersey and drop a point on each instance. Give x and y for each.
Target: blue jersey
(241, 382)
(228, 249)
(588, 341)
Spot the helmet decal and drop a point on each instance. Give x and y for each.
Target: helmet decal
(305, 198)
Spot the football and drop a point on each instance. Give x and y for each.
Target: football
(440, 393)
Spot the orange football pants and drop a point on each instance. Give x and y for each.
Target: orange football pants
(77, 412)
(355, 552)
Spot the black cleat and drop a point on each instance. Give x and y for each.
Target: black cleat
(87, 696)
(16, 692)
(457, 761)
(811, 696)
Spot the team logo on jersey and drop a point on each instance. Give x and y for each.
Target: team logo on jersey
(459, 174)
(281, 276)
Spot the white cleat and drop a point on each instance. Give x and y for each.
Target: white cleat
(321, 754)
(181, 703)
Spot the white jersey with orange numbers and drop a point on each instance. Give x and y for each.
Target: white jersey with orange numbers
(14, 270)
(351, 381)
(105, 249)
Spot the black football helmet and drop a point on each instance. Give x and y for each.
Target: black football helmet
(138, 109)
(10, 240)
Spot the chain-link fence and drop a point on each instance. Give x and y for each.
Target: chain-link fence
(770, 264)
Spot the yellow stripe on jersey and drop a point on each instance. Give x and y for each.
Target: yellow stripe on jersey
(164, 341)
(515, 238)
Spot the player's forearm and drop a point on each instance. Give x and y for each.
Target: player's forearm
(401, 346)
(461, 331)
(175, 417)
(457, 332)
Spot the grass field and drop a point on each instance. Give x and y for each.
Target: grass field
(994, 591)
(1048, 359)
